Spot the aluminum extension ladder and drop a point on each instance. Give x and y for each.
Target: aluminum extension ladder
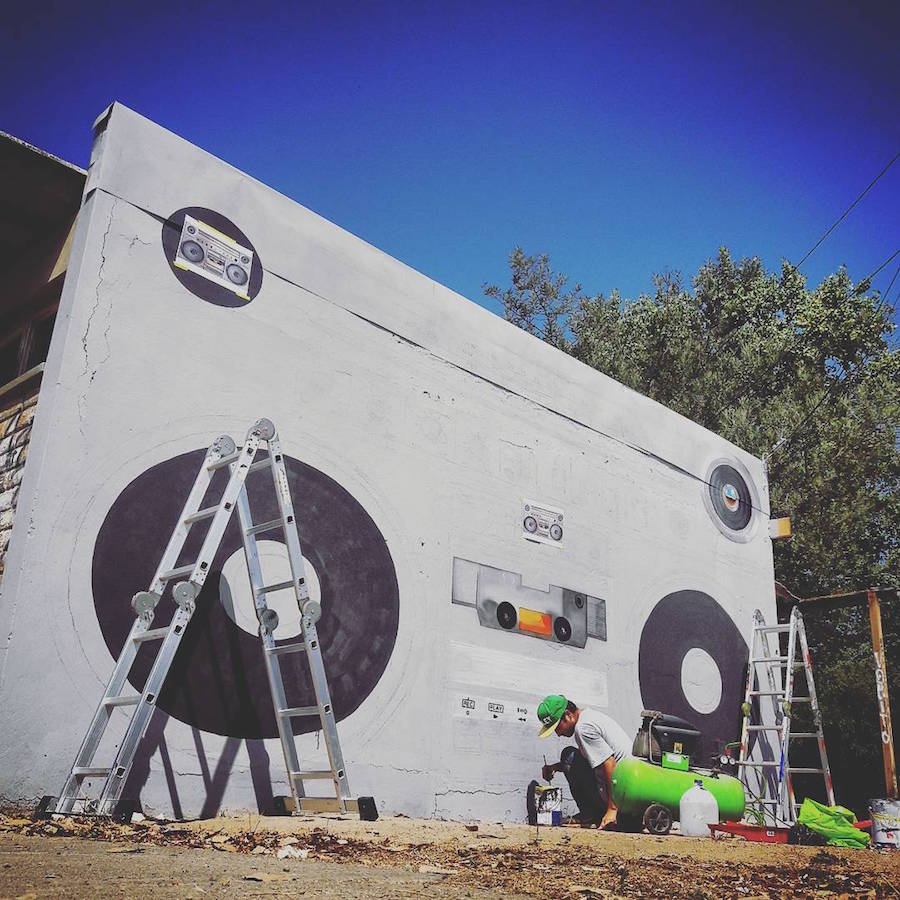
(240, 463)
(776, 798)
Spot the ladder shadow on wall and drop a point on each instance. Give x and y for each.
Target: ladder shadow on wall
(215, 780)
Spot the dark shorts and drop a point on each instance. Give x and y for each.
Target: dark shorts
(586, 792)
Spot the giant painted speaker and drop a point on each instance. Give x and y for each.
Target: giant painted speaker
(218, 680)
(421, 432)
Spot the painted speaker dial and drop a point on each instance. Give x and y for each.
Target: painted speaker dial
(506, 615)
(192, 250)
(562, 629)
(730, 496)
(679, 625)
(218, 680)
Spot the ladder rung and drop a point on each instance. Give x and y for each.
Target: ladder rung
(315, 773)
(262, 464)
(794, 734)
(294, 711)
(766, 693)
(772, 629)
(127, 700)
(287, 648)
(224, 461)
(780, 660)
(805, 771)
(201, 514)
(153, 634)
(265, 526)
(90, 771)
(177, 573)
(269, 588)
(758, 765)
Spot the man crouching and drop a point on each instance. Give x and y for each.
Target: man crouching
(601, 743)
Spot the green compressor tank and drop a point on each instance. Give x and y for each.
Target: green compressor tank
(638, 784)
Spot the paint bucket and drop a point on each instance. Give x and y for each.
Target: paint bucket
(885, 823)
(549, 805)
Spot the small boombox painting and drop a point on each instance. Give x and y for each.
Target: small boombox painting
(215, 256)
(541, 523)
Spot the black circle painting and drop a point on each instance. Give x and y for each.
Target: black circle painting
(218, 679)
(730, 497)
(683, 626)
(212, 257)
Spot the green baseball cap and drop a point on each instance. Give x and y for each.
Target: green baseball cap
(551, 710)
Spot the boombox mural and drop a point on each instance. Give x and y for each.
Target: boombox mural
(484, 520)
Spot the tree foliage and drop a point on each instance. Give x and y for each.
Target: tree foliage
(803, 377)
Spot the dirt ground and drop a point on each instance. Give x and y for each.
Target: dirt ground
(330, 856)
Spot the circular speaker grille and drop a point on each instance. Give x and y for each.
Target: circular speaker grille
(506, 615)
(236, 274)
(562, 629)
(218, 680)
(680, 622)
(192, 251)
(730, 497)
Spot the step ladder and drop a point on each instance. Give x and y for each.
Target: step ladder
(770, 677)
(186, 582)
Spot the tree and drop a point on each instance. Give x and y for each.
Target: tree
(804, 378)
(537, 301)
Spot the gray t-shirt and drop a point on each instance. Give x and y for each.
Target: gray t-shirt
(599, 737)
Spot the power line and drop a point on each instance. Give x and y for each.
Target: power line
(887, 292)
(870, 277)
(846, 212)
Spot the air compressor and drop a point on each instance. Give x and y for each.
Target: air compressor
(647, 786)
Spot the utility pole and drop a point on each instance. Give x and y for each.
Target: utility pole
(837, 601)
(881, 692)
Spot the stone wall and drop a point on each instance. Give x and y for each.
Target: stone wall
(15, 432)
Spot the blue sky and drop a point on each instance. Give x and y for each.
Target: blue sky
(620, 138)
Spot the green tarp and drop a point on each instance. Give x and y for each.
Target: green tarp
(833, 822)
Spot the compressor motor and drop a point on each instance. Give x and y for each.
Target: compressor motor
(666, 741)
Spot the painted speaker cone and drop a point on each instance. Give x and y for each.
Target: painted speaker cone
(192, 251)
(506, 615)
(730, 497)
(236, 275)
(562, 629)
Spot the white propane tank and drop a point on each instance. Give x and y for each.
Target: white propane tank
(697, 810)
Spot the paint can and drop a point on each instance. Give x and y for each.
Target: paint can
(549, 805)
(885, 823)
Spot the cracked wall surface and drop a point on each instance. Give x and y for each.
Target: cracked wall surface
(428, 416)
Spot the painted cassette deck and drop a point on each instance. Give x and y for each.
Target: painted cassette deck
(502, 602)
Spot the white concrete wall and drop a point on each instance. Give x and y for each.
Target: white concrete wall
(435, 415)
